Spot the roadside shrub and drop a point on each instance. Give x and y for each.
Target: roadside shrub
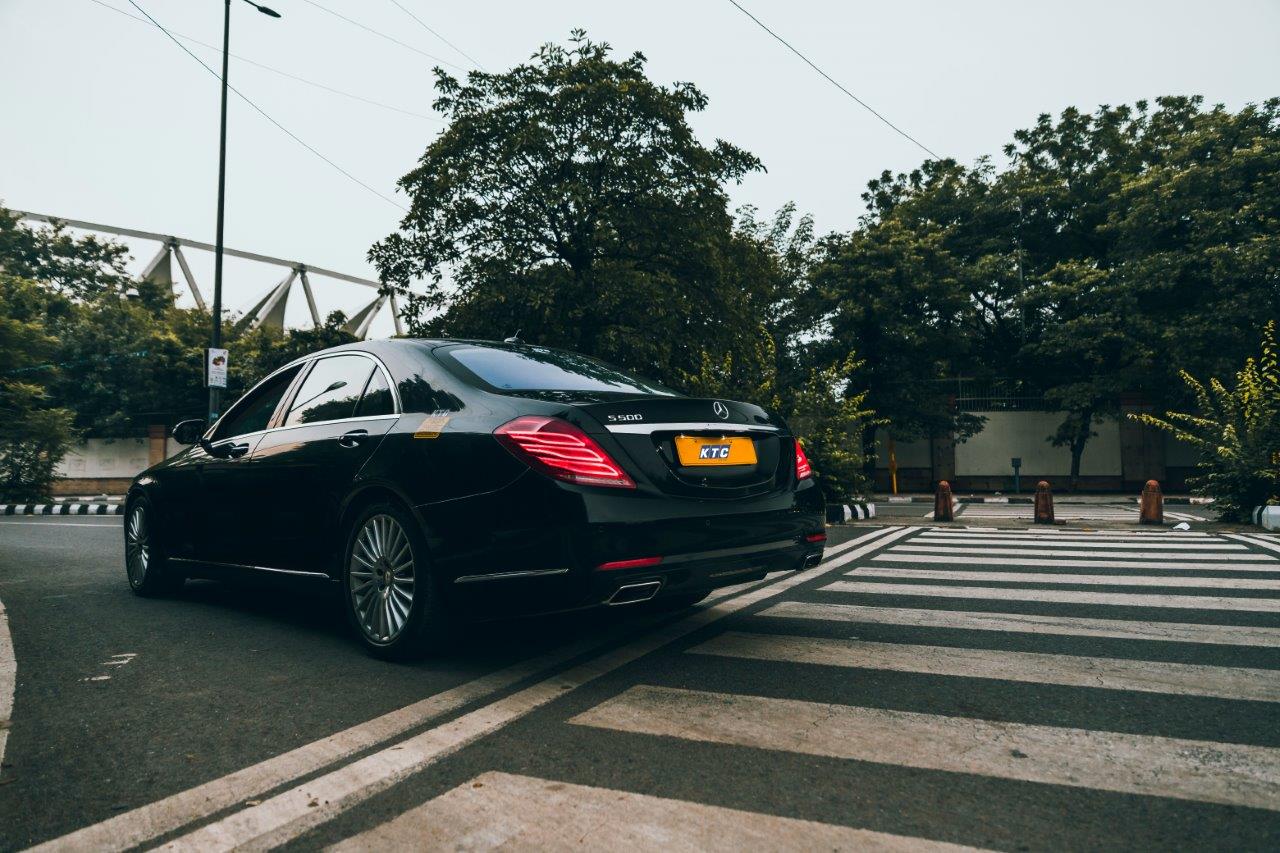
(1237, 434)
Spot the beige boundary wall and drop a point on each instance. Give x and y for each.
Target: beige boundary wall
(1119, 458)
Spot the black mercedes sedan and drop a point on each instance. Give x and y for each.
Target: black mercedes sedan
(444, 479)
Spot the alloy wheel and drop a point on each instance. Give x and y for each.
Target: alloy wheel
(380, 578)
(137, 546)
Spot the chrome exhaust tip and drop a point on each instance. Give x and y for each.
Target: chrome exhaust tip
(634, 593)
(812, 560)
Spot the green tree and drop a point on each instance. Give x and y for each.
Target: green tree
(34, 434)
(1237, 433)
(570, 199)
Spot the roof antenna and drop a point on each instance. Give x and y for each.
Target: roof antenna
(514, 339)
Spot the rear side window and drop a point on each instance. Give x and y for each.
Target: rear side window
(540, 369)
(331, 390)
(377, 398)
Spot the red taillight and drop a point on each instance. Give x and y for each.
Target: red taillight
(638, 563)
(559, 449)
(816, 537)
(803, 469)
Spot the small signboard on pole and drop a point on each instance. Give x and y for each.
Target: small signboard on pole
(215, 368)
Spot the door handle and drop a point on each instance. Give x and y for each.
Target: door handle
(353, 438)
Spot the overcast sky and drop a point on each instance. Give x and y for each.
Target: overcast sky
(106, 120)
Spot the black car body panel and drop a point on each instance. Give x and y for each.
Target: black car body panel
(503, 537)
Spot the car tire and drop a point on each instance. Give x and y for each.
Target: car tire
(388, 591)
(146, 565)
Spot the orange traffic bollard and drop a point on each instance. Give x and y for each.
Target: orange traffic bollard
(1044, 503)
(1151, 504)
(943, 508)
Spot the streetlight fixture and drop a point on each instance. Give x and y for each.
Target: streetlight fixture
(215, 391)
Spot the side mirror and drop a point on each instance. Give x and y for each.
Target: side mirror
(189, 432)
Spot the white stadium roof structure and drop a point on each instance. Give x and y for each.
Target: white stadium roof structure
(270, 309)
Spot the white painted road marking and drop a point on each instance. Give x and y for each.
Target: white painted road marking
(894, 556)
(1084, 580)
(289, 814)
(508, 812)
(1204, 771)
(1063, 626)
(1260, 685)
(8, 678)
(982, 546)
(1062, 596)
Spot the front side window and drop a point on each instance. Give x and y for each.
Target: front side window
(331, 390)
(253, 411)
(542, 369)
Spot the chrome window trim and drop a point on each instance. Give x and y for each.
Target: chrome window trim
(704, 426)
(304, 363)
(310, 361)
(299, 572)
(502, 576)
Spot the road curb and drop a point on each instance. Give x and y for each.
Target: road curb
(62, 509)
(837, 513)
(1267, 517)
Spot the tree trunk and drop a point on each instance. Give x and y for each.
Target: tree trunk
(1078, 442)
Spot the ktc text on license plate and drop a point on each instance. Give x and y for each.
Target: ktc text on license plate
(697, 450)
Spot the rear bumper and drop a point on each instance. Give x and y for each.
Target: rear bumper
(547, 557)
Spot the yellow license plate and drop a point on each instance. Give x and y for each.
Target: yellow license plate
(697, 450)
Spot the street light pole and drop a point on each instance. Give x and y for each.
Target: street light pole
(216, 338)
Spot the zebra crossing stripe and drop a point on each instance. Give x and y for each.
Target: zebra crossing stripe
(1133, 562)
(1053, 533)
(1061, 596)
(1204, 771)
(1084, 580)
(1050, 552)
(504, 811)
(1260, 685)
(1025, 623)
(1011, 544)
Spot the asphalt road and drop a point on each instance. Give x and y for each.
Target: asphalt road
(1007, 689)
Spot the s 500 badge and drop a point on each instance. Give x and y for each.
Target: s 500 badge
(618, 419)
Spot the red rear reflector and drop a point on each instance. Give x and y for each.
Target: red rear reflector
(803, 469)
(559, 449)
(816, 537)
(638, 563)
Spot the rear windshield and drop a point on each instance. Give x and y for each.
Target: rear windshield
(539, 369)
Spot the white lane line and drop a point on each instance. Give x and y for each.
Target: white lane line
(1058, 551)
(1061, 626)
(1013, 545)
(293, 812)
(8, 678)
(1223, 682)
(508, 812)
(1089, 580)
(142, 824)
(1227, 773)
(1054, 532)
(1187, 565)
(832, 553)
(1254, 539)
(1062, 596)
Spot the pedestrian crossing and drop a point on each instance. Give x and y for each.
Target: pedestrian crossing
(917, 586)
(953, 604)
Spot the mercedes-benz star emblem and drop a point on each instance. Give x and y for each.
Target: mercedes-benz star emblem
(720, 409)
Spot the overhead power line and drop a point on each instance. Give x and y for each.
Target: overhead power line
(833, 82)
(424, 25)
(383, 35)
(264, 113)
(353, 96)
